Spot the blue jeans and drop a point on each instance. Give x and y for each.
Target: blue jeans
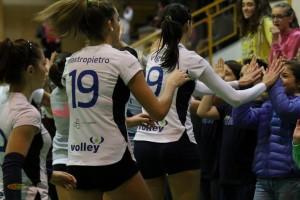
(277, 189)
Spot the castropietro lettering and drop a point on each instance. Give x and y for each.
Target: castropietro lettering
(88, 60)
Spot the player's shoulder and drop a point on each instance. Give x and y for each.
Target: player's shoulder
(19, 107)
(188, 55)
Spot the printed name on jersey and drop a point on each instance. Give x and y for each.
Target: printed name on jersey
(156, 128)
(88, 60)
(93, 145)
(77, 123)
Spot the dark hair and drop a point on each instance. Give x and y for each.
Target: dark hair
(289, 12)
(57, 68)
(15, 57)
(73, 16)
(294, 66)
(235, 67)
(262, 8)
(260, 62)
(174, 17)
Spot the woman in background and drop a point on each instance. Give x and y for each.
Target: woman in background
(255, 24)
(286, 32)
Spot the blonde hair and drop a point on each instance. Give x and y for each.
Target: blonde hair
(74, 16)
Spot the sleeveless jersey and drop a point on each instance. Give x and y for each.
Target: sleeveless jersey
(177, 120)
(96, 79)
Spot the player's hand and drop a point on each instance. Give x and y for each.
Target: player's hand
(63, 179)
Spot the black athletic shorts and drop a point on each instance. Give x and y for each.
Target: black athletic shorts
(157, 159)
(105, 178)
(60, 167)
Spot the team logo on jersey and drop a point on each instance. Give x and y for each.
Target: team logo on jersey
(228, 121)
(96, 140)
(158, 126)
(93, 145)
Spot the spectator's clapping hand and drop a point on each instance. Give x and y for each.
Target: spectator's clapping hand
(296, 136)
(220, 68)
(273, 71)
(275, 33)
(251, 75)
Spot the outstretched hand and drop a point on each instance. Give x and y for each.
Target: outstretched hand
(252, 74)
(273, 71)
(220, 68)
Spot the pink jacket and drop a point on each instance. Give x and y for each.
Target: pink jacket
(287, 46)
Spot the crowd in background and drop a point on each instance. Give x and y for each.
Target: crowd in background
(97, 124)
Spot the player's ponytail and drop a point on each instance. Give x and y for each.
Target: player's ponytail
(174, 18)
(74, 16)
(64, 15)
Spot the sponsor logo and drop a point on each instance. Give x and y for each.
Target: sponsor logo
(93, 145)
(156, 127)
(228, 121)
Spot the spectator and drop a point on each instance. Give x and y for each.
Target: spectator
(286, 32)
(255, 23)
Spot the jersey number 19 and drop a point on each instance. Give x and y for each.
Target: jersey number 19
(92, 90)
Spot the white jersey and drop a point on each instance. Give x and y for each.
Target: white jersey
(96, 79)
(174, 125)
(17, 111)
(61, 114)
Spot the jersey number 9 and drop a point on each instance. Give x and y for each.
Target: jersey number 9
(155, 78)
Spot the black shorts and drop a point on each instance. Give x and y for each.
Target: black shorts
(60, 167)
(105, 178)
(158, 159)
